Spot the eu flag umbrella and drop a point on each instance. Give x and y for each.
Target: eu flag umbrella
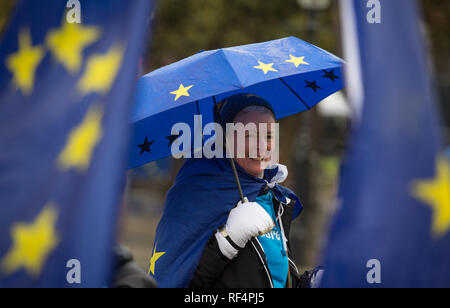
(291, 74)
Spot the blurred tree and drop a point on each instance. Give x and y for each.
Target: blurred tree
(437, 18)
(184, 27)
(6, 7)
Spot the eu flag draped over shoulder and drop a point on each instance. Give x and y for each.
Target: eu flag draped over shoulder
(197, 204)
(64, 104)
(393, 227)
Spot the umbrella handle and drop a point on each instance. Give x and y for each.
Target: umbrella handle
(236, 178)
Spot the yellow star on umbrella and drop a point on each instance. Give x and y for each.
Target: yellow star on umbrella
(24, 63)
(82, 141)
(265, 67)
(155, 257)
(297, 60)
(67, 43)
(436, 193)
(101, 71)
(182, 91)
(32, 244)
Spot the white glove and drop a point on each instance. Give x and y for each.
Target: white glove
(247, 220)
(281, 175)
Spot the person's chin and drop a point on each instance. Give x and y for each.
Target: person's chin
(258, 166)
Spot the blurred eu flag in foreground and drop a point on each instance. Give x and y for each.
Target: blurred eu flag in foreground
(64, 104)
(393, 227)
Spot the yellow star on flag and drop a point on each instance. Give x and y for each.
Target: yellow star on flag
(24, 63)
(82, 141)
(182, 91)
(101, 71)
(155, 257)
(297, 60)
(67, 43)
(436, 193)
(32, 244)
(265, 67)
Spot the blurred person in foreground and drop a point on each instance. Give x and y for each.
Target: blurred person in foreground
(127, 274)
(207, 238)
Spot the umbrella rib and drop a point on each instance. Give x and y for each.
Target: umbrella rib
(227, 61)
(198, 108)
(198, 112)
(285, 83)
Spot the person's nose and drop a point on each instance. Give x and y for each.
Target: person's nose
(263, 147)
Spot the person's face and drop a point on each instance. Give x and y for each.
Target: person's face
(256, 155)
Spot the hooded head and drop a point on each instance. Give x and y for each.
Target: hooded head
(252, 135)
(227, 109)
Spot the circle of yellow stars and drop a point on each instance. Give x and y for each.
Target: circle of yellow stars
(33, 242)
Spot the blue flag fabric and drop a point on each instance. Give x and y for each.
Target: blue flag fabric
(198, 203)
(393, 227)
(64, 111)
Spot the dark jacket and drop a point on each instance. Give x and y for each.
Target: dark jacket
(249, 268)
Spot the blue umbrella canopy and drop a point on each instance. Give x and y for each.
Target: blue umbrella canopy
(291, 74)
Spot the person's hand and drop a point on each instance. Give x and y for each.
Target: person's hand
(247, 220)
(311, 279)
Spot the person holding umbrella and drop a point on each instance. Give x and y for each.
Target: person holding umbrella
(219, 242)
(226, 221)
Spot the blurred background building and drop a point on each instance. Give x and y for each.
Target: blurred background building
(312, 143)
